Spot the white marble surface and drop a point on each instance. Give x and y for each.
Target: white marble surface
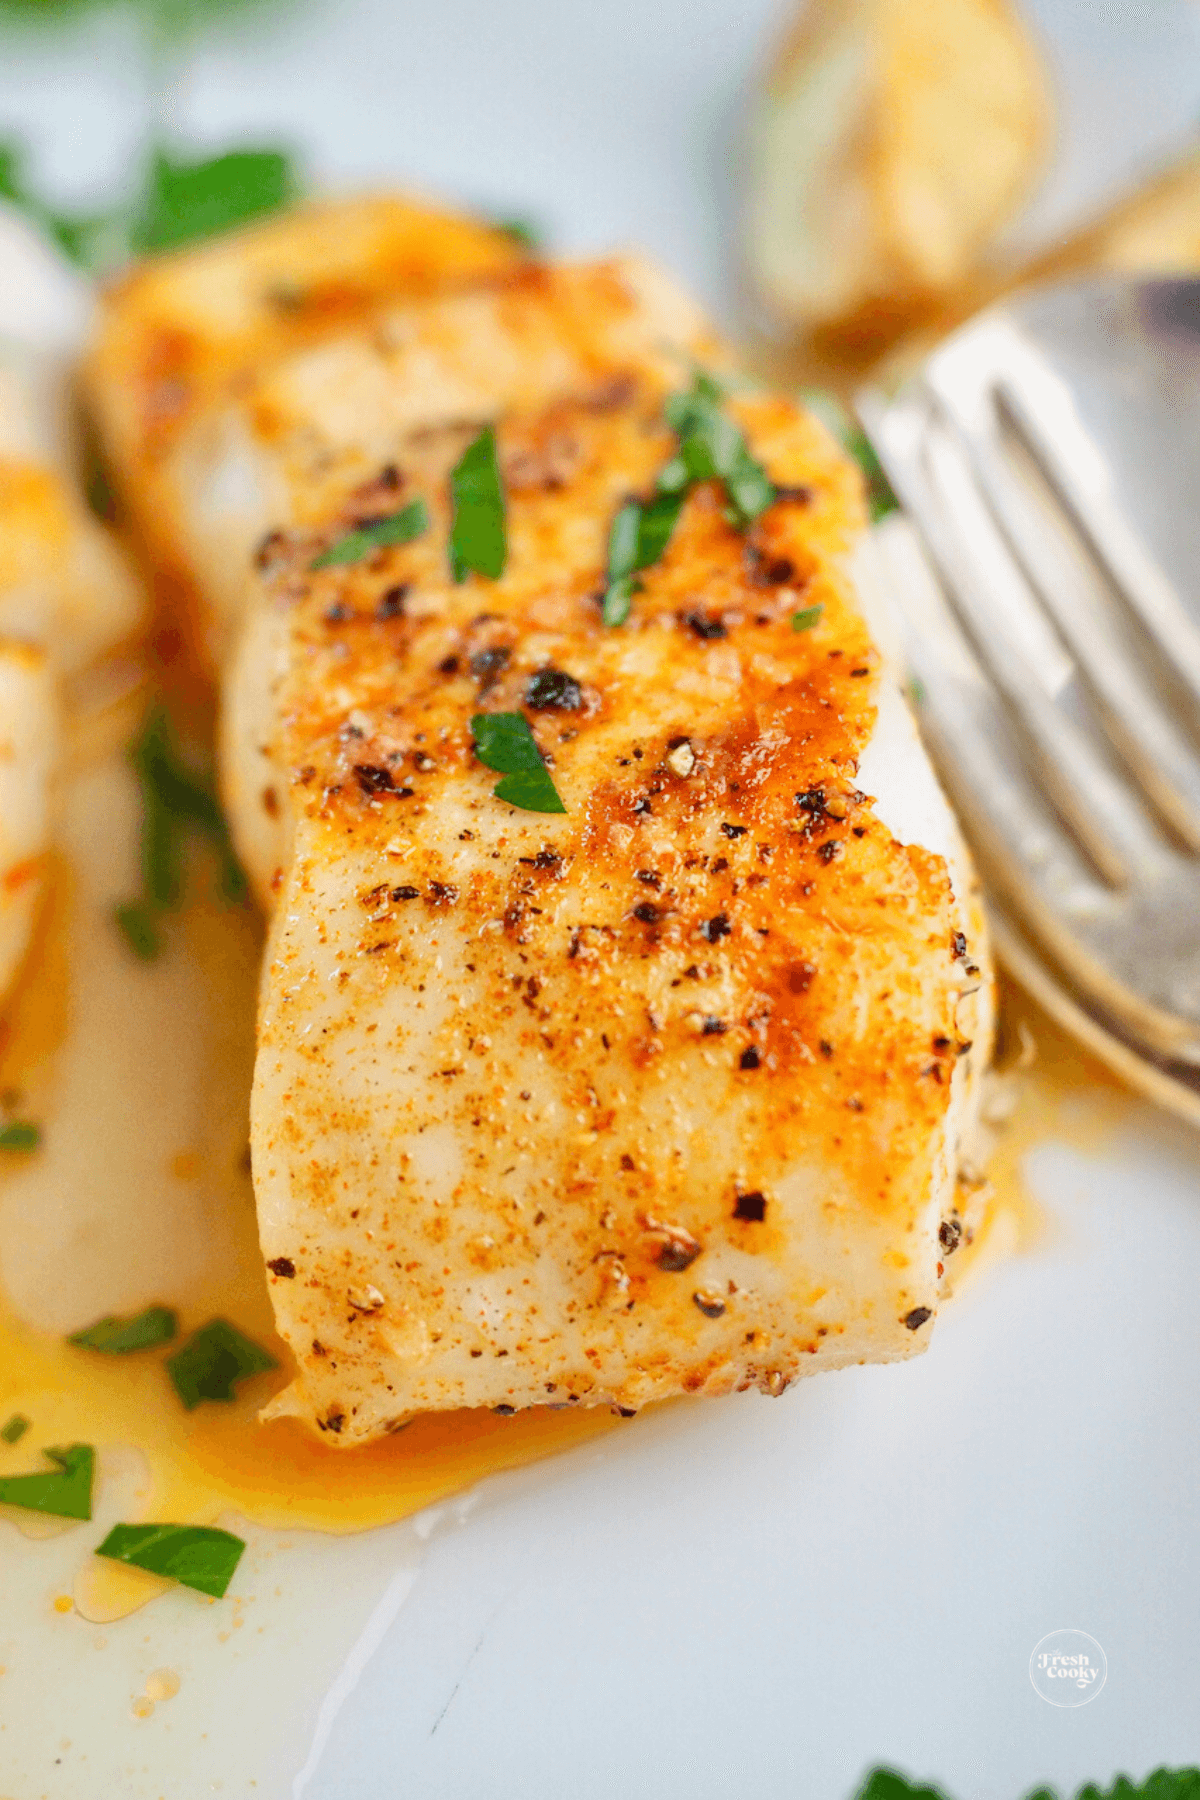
(741, 1598)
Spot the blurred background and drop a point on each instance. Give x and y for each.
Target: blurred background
(615, 121)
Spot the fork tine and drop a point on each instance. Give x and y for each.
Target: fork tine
(1043, 412)
(1022, 850)
(955, 525)
(964, 719)
(1155, 751)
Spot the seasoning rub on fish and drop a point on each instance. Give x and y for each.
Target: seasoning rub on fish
(666, 1091)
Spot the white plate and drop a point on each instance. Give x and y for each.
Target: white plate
(734, 1598)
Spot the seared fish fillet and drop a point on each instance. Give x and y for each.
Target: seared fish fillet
(188, 334)
(66, 599)
(663, 1094)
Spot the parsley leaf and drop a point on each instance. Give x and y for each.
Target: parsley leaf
(712, 448)
(618, 600)
(198, 1556)
(67, 1492)
(833, 415)
(186, 201)
(478, 539)
(180, 202)
(15, 1429)
(523, 232)
(136, 922)
(885, 1784)
(1163, 1784)
(20, 1134)
(397, 528)
(174, 798)
(11, 185)
(505, 743)
(213, 1360)
(169, 19)
(640, 533)
(116, 1337)
(69, 234)
(806, 618)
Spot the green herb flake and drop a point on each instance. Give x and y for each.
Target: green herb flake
(213, 1360)
(640, 533)
(618, 601)
(179, 202)
(806, 618)
(175, 798)
(66, 1492)
(187, 201)
(15, 1429)
(886, 1784)
(116, 1337)
(398, 528)
(20, 1134)
(712, 448)
(478, 539)
(197, 1556)
(1163, 1784)
(505, 743)
(833, 415)
(880, 499)
(523, 232)
(639, 540)
(11, 185)
(73, 236)
(135, 921)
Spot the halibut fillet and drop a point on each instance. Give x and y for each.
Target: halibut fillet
(664, 1094)
(67, 600)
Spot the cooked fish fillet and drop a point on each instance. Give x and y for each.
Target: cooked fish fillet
(66, 599)
(666, 1093)
(187, 338)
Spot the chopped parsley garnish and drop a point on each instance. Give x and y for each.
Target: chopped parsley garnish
(175, 799)
(179, 202)
(618, 600)
(806, 618)
(136, 923)
(213, 1360)
(66, 1492)
(397, 528)
(116, 1337)
(523, 232)
(478, 539)
(20, 1134)
(187, 201)
(833, 415)
(711, 448)
(198, 1556)
(885, 1784)
(505, 743)
(640, 533)
(15, 1429)
(1163, 1784)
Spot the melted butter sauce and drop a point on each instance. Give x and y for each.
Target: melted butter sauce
(1047, 1087)
(139, 1075)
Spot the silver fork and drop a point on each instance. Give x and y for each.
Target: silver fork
(1046, 577)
